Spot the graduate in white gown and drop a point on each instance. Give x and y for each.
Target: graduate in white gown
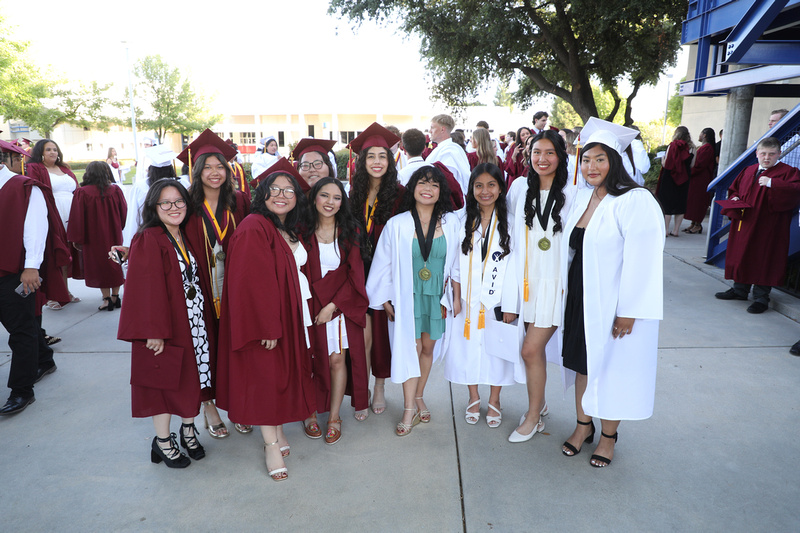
(533, 285)
(262, 162)
(423, 235)
(475, 354)
(621, 278)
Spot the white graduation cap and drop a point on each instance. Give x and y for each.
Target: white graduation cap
(612, 135)
(149, 139)
(160, 155)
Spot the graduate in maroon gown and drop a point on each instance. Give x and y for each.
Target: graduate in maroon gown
(335, 271)
(163, 317)
(375, 196)
(264, 363)
(217, 208)
(95, 225)
(703, 171)
(758, 242)
(516, 163)
(672, 188)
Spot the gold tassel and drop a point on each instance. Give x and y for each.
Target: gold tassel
(466, 329)
(481, 319)
(444, 312)
(577, 164)
(525, 290)
(190, 164)
(217, 307)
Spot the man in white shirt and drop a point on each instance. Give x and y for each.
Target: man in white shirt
(23, 217)
(447, 152)
(413, 144)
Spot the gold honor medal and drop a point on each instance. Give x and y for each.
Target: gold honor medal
(424, 274)
(220, 256)
(191, 293)
(544, 244)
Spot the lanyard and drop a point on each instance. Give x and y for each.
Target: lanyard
(544, 218)
(425, 241)
(184, 255)
(369, 214)
(219, 233)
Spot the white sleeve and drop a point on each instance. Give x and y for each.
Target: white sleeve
(34, 234)
(380, 288)
(640, 157)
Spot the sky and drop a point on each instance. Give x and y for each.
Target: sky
(273, 56)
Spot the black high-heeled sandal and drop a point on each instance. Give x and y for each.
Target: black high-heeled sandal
(117, 301)
(196, 450)
(173, 457)
(108, 307)
(600, 457)
(588, 440)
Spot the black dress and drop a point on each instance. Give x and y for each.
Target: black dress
(574, 349)
(671, 195)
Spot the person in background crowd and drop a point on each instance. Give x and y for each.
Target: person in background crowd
(791, 158)
(143, 165)
(240, 181)
(638, 157)
(702, 174)
(458, 138)
(448, 152)
(113, 164)
(313, 161)
(761, 202)
(484, 151)
(262, 161)
(48, 167)
(98, 215)
(673, 182)
(397, 150)
(539, 122)
(413, 145)
(516, 165)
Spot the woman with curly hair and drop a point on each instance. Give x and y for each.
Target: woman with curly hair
(410, 278)
(264, 363)
(375, 197)
(532, 291)
(338, 303)
(477, 279)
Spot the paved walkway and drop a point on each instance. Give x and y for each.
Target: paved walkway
(719, 454)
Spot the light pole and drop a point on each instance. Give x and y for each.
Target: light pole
(130, 97)
(666, 110)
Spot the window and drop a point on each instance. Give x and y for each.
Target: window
(246, 137)
(347, 136)
(281, 140)
(310, 130)
(88, 147)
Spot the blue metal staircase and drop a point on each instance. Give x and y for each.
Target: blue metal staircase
(788, 128)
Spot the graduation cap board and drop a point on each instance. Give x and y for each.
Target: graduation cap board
(207, 142)
(311, 145)
(160, 155)
(602, 131)
(374, 135)
(283, 166)
(734, 209)
(8, 147)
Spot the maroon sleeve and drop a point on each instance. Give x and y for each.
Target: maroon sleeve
(784, 190)
(76, 231)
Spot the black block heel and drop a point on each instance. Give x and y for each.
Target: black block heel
(157, 454)
(196, 451)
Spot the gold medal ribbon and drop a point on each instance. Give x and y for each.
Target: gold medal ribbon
(369, 214)
(218, 232)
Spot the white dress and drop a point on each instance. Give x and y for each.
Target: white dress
(63, 189)
(336, 329)
(467, 361)
(197, 323)
(300, 258)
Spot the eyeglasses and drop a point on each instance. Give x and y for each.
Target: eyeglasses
(288, 192)
(166, 205)
(316, 165)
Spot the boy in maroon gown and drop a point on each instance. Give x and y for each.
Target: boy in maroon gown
(758, 243)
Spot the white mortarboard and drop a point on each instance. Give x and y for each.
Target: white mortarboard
(149, 139)
(160, 155)
(612, 135)
(264, 140)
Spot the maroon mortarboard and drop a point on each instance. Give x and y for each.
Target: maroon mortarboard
(207, 142)
(374, 135)
(284, 166)
(311, 145)
(733, 209)
(6, 146)
(456, 195)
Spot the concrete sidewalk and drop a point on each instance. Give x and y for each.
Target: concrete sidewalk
(718, 454)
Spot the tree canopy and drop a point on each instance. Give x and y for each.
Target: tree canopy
(548, 46)
(172, 106)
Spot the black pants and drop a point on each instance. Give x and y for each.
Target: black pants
(760, 292)
(29, 351)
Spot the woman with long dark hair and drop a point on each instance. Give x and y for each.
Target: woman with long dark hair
(96, 219)
(47, 166)
(335, 271)
(164, 317)
(113, 164)
(673, 182)
(613, 297)
(532, 291)
(409, 279)
(217, 208)
(477, 280)
(264, 362)
(703, 171)
(375, 196)
(516, 163)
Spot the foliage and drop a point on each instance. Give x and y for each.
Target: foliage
(675, 108)
(172, 105)
(548, 46)
(562, 115)
(342, 158)
(503, 98)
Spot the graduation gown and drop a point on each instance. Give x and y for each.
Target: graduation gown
(155, 308)
(262, 300)
(345, 287)
(96, 223)
(390, 279)
(702, 173)
(467, 361)
(515, 167)
(622, 276)
(381, 356)
(758, 247)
